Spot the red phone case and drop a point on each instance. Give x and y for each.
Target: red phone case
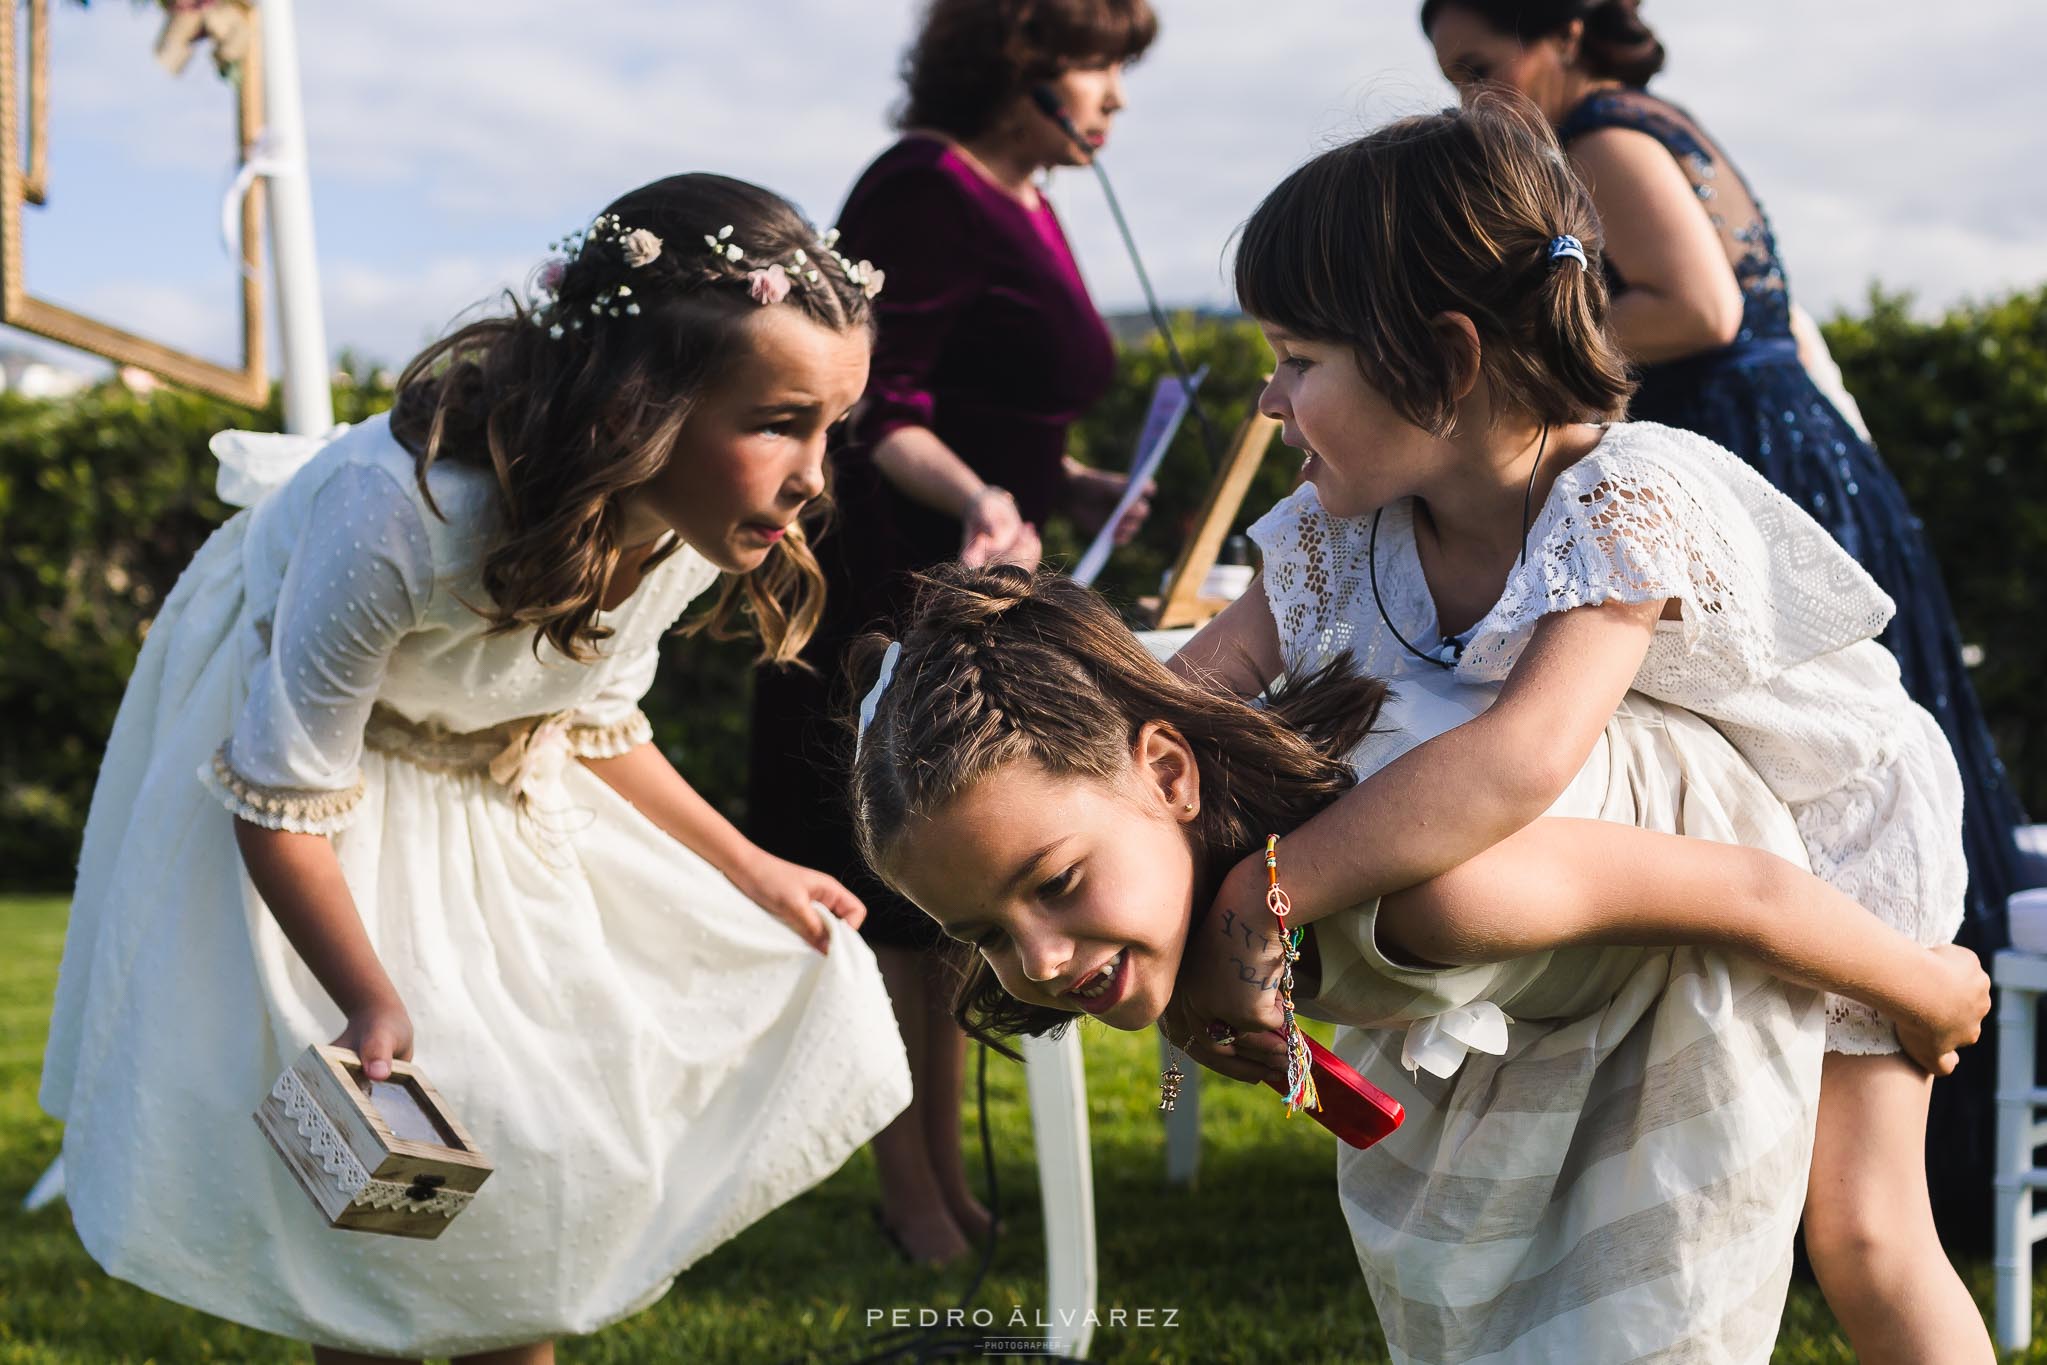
(1352, 1107)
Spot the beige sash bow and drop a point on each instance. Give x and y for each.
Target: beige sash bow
(535, 758)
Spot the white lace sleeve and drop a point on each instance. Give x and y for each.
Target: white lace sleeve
(612, 722)
(1654, 514)
(359, 578)
(1311, 574)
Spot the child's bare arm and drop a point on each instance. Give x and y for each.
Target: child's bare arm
(798, 896)
(1238, 652)
(1453, 797)
(300, 880)
(1565, 882)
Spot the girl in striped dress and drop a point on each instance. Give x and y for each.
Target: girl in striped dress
(1621, 1178)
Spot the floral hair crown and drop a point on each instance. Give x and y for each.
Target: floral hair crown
(638, 248)
(771, 283)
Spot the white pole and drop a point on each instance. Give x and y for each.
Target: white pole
(302, 328)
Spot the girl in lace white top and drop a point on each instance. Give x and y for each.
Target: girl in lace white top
(1432, 296)
(411, 675)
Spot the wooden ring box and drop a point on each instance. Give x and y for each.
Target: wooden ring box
(373, 1156)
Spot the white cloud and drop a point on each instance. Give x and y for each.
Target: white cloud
(412, 305)
(452, 140)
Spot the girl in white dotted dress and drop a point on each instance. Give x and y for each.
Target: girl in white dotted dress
(1432, 296)
(381, 778)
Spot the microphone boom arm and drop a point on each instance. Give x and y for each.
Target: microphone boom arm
(1048, 101)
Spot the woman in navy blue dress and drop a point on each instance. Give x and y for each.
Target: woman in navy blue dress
(1701, 305)
(1702, 308)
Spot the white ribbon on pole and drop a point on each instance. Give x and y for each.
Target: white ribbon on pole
(262, 160)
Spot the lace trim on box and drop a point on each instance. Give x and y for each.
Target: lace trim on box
(300, 810)
(351, 1177)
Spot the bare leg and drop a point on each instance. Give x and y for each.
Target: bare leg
(912, 1196)
(946, 1048)
(1869, 1224)
(539, 1353)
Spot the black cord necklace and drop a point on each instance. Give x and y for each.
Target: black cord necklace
(1452, 647)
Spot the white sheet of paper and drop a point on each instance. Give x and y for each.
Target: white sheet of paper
(400, 1109)
(1169, 403)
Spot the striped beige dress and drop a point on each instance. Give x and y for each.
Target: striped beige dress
(1622, 1183)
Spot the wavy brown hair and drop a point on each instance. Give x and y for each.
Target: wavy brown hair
(1001, 666)
(577, 404)
(972, 59)
(1453, 212)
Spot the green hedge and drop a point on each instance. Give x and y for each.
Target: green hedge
(1959, 409)
(104, 497)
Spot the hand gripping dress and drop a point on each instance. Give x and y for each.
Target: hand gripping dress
(1617, 1171)
(651, 1061)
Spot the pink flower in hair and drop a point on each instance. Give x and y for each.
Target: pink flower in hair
(770, 285)
(551, 275)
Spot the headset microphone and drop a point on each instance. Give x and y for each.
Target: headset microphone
(1048, 102)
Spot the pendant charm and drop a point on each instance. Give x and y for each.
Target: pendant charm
(1169, 1086)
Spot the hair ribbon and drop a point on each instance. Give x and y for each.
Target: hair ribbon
(872, 701)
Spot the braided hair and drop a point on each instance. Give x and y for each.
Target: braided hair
(575, 404)
(1001, 666)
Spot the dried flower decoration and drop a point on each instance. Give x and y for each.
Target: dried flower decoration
(639, 247)
(770, 285)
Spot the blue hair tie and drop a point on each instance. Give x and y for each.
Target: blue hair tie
(1563, 246)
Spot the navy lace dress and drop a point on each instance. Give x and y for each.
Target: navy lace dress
(1755, 398)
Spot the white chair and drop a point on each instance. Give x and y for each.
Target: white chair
(47, 1190)
(1057, 1082)
(2021, 976)
(1183, 1125)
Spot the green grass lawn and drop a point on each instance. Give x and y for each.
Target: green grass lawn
(1255, 1260)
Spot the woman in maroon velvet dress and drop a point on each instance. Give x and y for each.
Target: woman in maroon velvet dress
(988, 348)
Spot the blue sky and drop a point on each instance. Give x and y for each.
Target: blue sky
(452, 139)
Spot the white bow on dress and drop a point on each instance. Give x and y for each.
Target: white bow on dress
(1439, 1043)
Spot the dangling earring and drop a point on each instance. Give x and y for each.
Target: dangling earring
(1171, 1078)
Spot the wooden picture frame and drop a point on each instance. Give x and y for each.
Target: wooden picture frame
(35, 184)
(1181, 602)
(28, 183)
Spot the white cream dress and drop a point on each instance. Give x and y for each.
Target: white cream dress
(1606, 1150)
(651, 1061)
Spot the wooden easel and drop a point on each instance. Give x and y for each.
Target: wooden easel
(1181, 602)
